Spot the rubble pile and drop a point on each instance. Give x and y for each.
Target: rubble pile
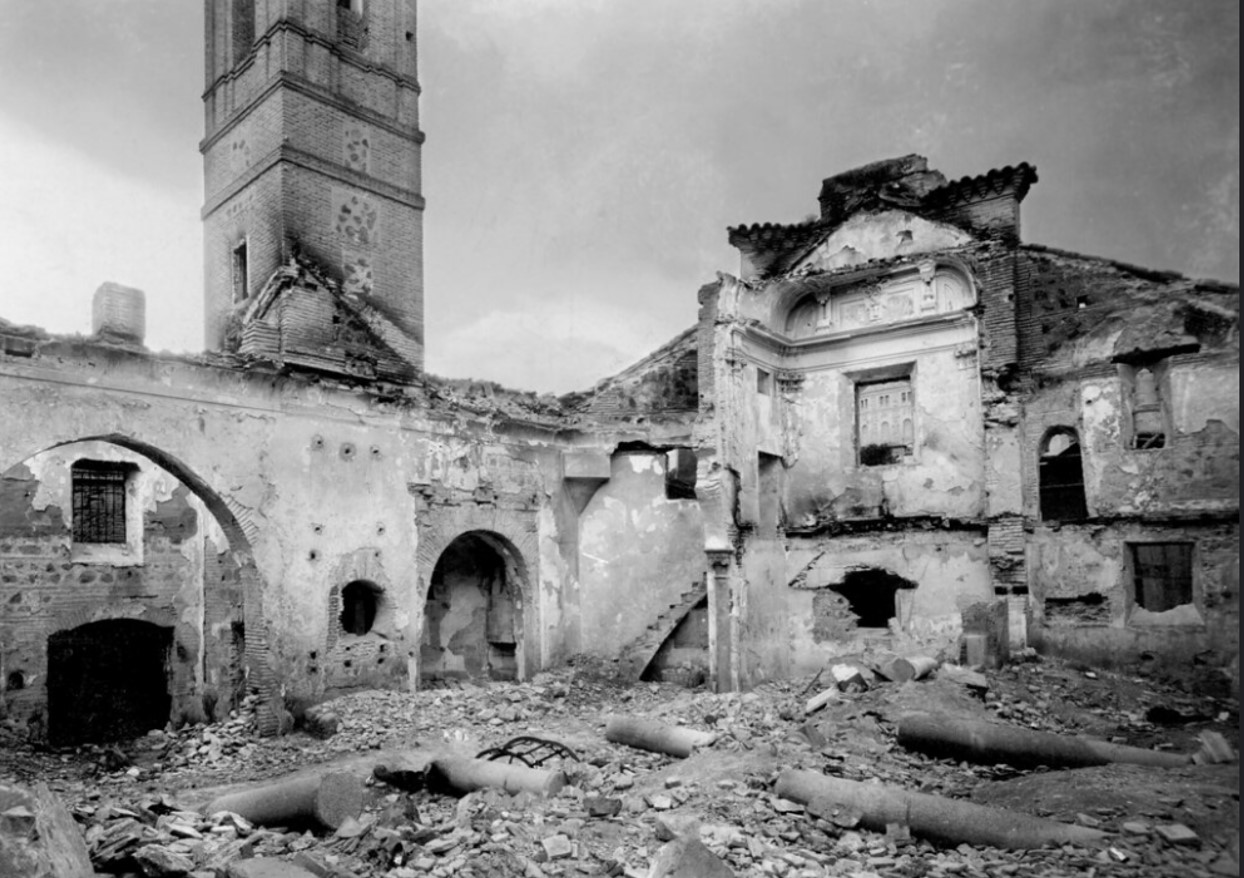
(632, 812)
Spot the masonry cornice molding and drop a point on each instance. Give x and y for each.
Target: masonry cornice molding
(304, 86)
(294, 156)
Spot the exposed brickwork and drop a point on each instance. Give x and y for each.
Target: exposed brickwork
(310, 129)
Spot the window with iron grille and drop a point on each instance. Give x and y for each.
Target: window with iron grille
(99, 501)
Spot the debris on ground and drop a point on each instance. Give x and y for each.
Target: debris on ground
(142, 806)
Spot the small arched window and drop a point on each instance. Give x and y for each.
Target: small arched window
(1061, 477)
(360, 600)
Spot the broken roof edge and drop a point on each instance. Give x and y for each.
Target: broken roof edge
(297, 269)
(1153, 275)
(993, 182)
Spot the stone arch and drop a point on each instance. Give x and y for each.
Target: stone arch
(481, 577)
(239, 530)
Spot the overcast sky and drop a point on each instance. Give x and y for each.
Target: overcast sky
(584, 157)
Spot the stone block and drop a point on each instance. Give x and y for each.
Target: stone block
(688, 858)
(38, 837)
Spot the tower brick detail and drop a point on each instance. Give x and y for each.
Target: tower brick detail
(312, 148)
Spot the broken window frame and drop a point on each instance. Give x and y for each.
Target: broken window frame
(1153, 593)
(885, 453)
(1148, 422)
(1060, 490)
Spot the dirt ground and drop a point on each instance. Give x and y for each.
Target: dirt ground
(145, 794)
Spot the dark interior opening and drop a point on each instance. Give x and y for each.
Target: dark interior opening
(108, 681)
(359, 602)
(871, 595)
(1062, 478)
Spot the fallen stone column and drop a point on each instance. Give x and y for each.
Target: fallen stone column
(327, 799)
(949, 821)
(648, 734)
(915, 667)
(988, 743)
(461, 775)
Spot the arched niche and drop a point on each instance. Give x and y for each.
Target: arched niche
(857, 304)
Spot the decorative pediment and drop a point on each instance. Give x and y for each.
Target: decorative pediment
(923, 291)
(876, 236)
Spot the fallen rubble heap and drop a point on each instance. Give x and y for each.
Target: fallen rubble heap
(748, 798)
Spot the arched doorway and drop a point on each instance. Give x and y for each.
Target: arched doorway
(473, 615)
(108, 680)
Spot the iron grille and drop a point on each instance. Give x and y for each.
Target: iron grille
(99, 502)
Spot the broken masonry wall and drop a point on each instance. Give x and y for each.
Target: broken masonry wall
(944, 474)
(1084, 585)
(162, 574)
(794, 625)
(639, 553)
(1195, 471)
(320, 485)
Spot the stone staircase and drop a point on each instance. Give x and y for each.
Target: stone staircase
(636, 655)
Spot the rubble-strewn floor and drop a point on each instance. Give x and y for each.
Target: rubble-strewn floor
(131, 796)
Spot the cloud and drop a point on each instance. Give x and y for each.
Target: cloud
(74, 223)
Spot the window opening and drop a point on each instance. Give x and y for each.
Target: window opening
(885, 421)
(1148, 428)
(241, 273)
(769, 469)
(99, 501)
(359, 602)
(1162, 575)
(764, 382)
(680, 466)
(1061, 477)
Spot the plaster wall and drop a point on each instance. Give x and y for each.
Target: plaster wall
(175, 557)
(638, 552)
(944, 475)
(787, 631)
(1196, 472)
(1083, 592)
(321, 484)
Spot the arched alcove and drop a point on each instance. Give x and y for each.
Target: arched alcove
(473, 625)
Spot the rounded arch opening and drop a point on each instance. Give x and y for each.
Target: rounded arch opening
(186, 556)
(1060, 476)
(473, 615)
(361, 602)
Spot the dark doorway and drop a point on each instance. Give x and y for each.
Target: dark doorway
(872, 596)
(108, 681)
(473, 613)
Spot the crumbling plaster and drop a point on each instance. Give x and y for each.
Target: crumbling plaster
(327, 473)
(48, 585)
(638, 552)
(1076, 561)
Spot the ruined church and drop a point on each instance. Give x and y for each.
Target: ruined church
(894, 425)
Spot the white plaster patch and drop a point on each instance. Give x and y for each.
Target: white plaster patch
(881, 236)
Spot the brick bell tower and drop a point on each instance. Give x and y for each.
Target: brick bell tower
(312, 146)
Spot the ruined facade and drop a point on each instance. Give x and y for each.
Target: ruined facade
(897, 425)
